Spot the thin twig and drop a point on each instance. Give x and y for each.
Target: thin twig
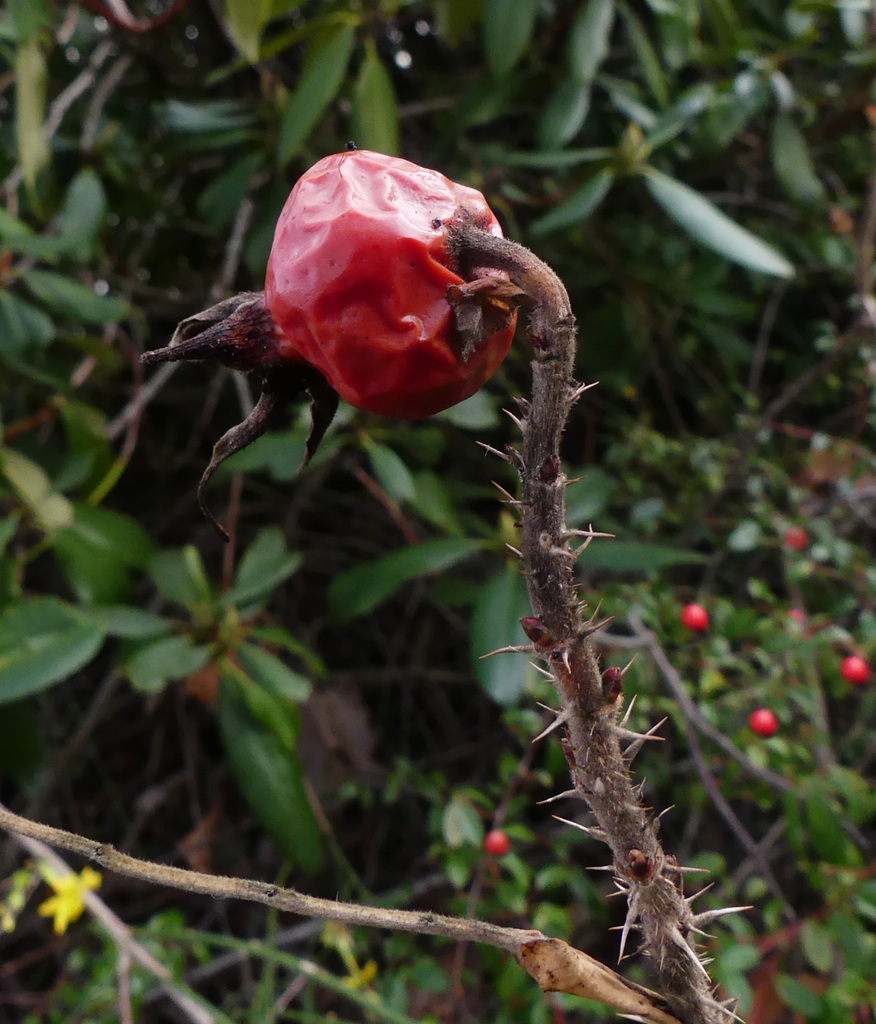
(116, 929)
(102, 93)
(551, 962)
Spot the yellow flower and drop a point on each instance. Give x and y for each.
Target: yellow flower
(67, 904)
(363, 976)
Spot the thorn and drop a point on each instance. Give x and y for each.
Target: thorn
(729, 1006)
(521, 426)
(712, 915)
(514, 551)
(689, 899)
(546, 707)
(627, 667)
(639, 739)
(579, 391)
(514, 649)
(605, 867)
(683, 945)
(683, 869)
(494, 451)
(544, 671)
(567, 794)
(561, 719)
(629, 922)
(588, 630)
(671, 807)
(629, 711)
(509, 497)
(595, 833)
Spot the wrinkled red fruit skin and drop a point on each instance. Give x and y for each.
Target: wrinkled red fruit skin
(357, 284)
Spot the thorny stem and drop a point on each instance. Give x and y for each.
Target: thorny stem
(589, 714)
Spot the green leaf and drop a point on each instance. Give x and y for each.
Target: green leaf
(276, 714)
(461, 824)
(588, 41)
(318, 85)
(244, 21)
(817, 945)
(631, 556)
(507, 29)
(70, 298)
(269, 776)
(432, 500)
(647, 57)
(708, 225)
(52, 511)
(495, 154)
(825, 829)
(220, 201)
(22, 325)
(577, 207)
(42, 641)
(564, 114)
(172, 657)
(20, 238)
(204, 118)
(800, 998)
(265, 564)
(267, 670)
(501, 603)
(130, 623)
(793, 164)
(180, 577)
(31, 75)
(363, 588)
(28, 18)
(672, 121)
(475, 413)
(391, 472)
(96, 550)
(375, 109)
(82, 215)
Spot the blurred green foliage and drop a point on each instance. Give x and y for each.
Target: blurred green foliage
(699, 172)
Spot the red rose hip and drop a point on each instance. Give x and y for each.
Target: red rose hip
(763, 722)
(855, 670)
(368, 297)
(497, 843)
(358, 280)
(695, 617)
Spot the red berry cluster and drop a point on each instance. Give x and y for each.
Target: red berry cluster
(853, 668)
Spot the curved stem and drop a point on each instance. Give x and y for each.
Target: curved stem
(657, 909)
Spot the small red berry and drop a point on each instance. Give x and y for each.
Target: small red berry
(763, 722)
(695, 617)
(796, 538)
(497, 843)
(798, 615)
(855, 669)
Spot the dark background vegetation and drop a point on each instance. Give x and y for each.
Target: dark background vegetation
(308, 705)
